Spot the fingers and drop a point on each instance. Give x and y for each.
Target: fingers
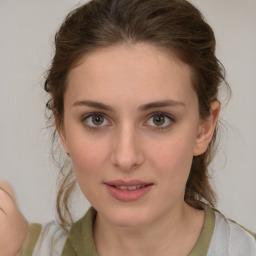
(7, 188)
(7, 198)
(13, 225)
(2, 211)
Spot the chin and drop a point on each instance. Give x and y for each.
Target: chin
(129, 217)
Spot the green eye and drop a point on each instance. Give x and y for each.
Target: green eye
(95, 120)
(157, 120)
(160, 120)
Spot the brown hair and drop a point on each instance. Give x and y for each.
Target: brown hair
(175, 25)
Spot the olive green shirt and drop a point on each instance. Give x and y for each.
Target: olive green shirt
(79, 241)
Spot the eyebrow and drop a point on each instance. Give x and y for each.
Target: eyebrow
(157, 104)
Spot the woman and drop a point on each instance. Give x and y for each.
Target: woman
(133, 92)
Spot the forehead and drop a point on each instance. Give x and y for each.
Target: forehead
(130, 72)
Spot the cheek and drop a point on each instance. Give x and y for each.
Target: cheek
(88, 161)
(173, 158)
(172, 167)
(87, 157)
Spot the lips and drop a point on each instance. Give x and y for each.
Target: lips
(127, 183)
(128, 190)
(129, 187)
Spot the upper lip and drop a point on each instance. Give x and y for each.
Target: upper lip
(127, 183)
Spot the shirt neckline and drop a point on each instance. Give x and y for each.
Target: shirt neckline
(204, 240)
(81, 234)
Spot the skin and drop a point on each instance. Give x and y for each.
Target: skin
(129, 144)
(13, 225)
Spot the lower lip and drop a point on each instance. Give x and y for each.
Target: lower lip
(128, 195)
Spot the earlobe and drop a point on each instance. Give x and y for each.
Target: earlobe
(206, 130)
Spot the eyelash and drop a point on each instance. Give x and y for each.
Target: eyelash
(168, 116)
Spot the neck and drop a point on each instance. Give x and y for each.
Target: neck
(174, 233)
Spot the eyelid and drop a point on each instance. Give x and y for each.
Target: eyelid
(92, 114)
(162, 113)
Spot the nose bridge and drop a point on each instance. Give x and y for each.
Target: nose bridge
(126, 153)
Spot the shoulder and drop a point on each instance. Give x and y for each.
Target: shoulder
(229, 238)
(51, 240)
(44, 239)
(80, 239)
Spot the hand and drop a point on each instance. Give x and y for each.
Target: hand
(13, 226)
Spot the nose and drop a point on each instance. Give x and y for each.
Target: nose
(127, 152)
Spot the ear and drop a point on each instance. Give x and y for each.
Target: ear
(63, 140)
(206, 129)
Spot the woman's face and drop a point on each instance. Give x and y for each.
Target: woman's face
(132, 127)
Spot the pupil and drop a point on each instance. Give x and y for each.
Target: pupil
(97, 119)
(159, 120)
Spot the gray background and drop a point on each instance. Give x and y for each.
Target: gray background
(27, 31)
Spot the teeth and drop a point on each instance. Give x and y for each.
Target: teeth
(129, 187)
(123, 187)
(132, 187)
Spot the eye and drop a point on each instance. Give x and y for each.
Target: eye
(160, 120)
(95, 120)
